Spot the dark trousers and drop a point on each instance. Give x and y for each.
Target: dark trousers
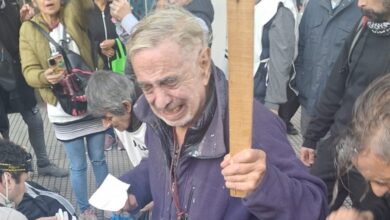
(351, 184)
(288, 109)
(33, 119)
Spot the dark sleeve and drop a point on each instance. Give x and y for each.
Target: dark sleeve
(287, 190)
(330, 99)
(203, 9)
(301, 42)
(138, 178)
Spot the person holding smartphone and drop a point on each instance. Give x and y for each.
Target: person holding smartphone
(66, 23)
(21, 99)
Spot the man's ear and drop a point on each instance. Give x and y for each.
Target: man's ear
(127, 105)
(6, 178)
(205, 64)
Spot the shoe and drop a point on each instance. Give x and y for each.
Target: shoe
(52, 170)
(88, 214)
(291, 130)
(109, 142)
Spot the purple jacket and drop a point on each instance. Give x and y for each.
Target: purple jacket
(287, 190)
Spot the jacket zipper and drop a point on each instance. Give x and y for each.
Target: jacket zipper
(105, 35)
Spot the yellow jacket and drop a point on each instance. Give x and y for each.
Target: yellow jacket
(35, 51)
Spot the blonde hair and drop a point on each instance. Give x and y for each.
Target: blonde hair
(171, 23)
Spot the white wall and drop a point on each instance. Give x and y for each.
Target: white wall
(219, 31)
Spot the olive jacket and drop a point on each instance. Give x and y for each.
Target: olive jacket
(35, 50)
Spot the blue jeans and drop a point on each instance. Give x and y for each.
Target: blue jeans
(75, 151)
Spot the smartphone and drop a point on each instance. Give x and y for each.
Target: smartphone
(56, 61)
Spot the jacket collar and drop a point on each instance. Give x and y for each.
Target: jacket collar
(206, 139)
(343, 4)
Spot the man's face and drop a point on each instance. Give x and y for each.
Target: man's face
(375, 170)
(174, 81)
(375, 10)
(119, 122)
(48, 7)
(16, 190)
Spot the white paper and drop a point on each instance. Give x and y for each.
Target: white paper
(111, 195)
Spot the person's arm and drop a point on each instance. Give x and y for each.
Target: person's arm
(285, 190)
(124, 19)
(330, 99)
(128, 22)
(139, 191)
(32, 69)
(282, 48)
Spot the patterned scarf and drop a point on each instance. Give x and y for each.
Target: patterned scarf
(382, 28)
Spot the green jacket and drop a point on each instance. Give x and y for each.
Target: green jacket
(35, 51)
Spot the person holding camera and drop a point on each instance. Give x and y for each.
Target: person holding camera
(81, 134)
(15, 95)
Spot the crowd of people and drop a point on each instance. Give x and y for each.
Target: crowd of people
(167, 104)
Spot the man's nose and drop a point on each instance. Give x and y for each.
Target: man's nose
(161, 98)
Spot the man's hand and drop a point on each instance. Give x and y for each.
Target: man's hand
(307, 156)
(245, 170)
(350, 214)
(119, 9)
(26, 12)
(131, 203)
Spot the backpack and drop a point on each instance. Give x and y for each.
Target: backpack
(40, 202)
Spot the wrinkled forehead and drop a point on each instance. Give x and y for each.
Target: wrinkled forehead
(371, 165)
(168, 55)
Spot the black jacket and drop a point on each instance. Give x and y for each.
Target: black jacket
(22, 98)
(101, 28)
(369, 60)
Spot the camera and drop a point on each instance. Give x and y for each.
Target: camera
(56, 61)
(52, 62)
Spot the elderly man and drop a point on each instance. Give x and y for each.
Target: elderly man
(189, 171)
(111, 96)
(367, 142)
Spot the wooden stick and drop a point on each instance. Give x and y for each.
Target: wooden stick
(240, 45)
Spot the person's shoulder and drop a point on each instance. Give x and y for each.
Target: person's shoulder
(11, 214)
(27, 27)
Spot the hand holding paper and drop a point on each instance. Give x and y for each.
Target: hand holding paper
(111, 195)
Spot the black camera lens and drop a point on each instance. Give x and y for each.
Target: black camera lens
(52, 62)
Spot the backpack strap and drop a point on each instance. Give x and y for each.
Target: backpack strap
(44, 33)
(362, 25)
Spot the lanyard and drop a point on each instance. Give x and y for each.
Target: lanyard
(180, 213)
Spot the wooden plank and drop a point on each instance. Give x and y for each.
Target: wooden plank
(240, 45)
